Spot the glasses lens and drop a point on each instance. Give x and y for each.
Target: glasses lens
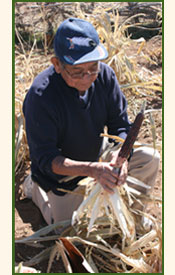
(81, 75)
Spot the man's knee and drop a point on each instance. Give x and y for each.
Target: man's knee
(148, 154)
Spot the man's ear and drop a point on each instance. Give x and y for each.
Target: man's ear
(55, 61)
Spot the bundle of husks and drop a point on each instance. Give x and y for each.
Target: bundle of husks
(112, 227)
(107, 230)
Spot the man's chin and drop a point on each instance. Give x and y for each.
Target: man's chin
(83, 88)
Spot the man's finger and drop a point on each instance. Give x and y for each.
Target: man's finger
(108, 189)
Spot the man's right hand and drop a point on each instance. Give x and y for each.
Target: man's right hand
(105, 174)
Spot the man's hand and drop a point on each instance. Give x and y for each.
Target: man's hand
(121, 163)
(107, 176)
(103, 172)
(123, 173)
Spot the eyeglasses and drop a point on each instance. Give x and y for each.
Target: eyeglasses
(81, 75)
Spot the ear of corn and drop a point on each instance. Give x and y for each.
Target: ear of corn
(132, 135)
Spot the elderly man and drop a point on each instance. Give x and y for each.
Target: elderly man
(66, 110)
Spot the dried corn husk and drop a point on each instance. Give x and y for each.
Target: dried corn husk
(139, 264)
(97, 201)
(77, 261)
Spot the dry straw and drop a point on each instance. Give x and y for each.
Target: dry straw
(110, 230)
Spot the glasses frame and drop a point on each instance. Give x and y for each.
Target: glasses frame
(81, 75)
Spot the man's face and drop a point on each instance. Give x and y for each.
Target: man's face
(80, 76)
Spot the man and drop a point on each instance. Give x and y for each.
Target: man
(66, 110)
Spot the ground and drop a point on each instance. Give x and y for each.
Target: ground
(28, 218)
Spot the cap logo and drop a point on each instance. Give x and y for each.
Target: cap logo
(71, 43)
(81, 41)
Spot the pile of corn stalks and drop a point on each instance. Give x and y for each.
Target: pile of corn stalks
(109, 230)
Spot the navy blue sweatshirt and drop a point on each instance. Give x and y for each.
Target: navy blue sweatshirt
(59, 122)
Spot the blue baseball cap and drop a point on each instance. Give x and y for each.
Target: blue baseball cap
(76, 41)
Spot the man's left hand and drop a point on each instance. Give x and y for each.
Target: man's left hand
(121, 163)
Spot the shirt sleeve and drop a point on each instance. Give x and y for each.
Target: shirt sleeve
(42, 131)
(117, 122)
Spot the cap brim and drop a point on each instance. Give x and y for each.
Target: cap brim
(99, 53)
